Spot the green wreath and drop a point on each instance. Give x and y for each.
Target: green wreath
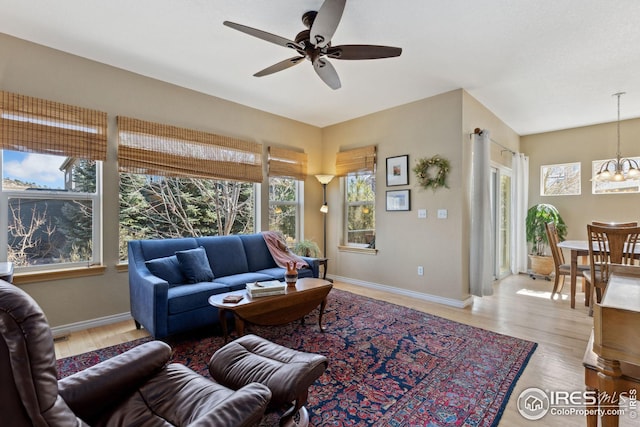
(427, 180)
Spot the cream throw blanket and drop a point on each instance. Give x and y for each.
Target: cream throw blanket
(280, 251)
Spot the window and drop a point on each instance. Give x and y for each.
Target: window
(177, 182)
(358, 168)
(50, 196)
(360, 209)
(50, 206)
(167, 207)
(287, 171)
(612, 187)
(284, 207)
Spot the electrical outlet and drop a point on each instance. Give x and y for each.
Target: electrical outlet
(442, 213)
(422, 213)
(420, 271)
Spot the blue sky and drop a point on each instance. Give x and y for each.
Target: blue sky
(42, 169)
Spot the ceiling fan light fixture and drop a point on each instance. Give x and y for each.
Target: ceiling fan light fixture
(314, 44)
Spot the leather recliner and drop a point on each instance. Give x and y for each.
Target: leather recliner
(138, 387)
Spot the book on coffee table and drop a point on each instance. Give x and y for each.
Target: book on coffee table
(263, 289)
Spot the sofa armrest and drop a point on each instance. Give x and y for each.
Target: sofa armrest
(243, 408)
(98, 388)
(148, 294)
(314, 265)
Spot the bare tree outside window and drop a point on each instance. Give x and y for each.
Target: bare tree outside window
(168, 207)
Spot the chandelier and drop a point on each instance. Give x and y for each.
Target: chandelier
(618, 169)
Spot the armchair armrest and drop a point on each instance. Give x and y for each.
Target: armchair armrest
(96, 389)
(243, 408)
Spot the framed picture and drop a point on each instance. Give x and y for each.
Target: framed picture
(397, 173)
(398, 200)
(560, 180)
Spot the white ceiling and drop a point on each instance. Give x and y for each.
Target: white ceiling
(539, 65)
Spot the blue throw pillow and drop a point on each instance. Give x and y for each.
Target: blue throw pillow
(195, 265)
(166, 268)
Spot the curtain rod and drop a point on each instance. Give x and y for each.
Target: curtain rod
(478, 131)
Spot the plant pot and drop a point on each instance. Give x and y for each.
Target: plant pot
(542, 264)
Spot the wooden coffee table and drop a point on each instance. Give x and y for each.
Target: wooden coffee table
(274, 310)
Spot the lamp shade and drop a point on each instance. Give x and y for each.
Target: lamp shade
(324, 208)
(324, 179)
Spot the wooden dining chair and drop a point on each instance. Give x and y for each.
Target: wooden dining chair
(562, 269)
(615, 224)
(609, 245)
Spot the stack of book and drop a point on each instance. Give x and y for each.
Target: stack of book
(265, 289)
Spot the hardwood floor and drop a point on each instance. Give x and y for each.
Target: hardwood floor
(520, 307)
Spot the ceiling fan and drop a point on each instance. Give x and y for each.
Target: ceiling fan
(314, 44)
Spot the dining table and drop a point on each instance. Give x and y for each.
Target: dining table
(579, 248)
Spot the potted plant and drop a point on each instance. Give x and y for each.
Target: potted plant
(307, 248)
(537, 216)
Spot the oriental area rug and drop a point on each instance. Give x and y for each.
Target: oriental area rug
(388, 365)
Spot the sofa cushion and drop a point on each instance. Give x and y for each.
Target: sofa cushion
(193, 296)
(258, 255)
(157, 248)
(278, 273)
(166, 268)
(237, 282)
(195, 265)
(226, 255)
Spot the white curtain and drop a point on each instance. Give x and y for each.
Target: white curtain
(519, 203)
(481, 254)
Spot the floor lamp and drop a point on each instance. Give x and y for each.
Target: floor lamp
(324, 180)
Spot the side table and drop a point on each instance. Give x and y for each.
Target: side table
(6, 271)
(323, 262)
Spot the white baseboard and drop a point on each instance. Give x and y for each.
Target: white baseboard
(63, 330)
(418, 295)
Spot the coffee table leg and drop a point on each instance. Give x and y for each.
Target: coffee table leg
(323, 304)
(222, 313)
(239, 326)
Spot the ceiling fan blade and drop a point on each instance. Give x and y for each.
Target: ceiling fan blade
(326, 22)
(282, 65)
(362, 51)
(327, 73)
(281, 41)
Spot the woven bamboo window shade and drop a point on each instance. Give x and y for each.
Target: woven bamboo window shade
(157, 149)
(36, 125)
(287, 163)
(361, 159)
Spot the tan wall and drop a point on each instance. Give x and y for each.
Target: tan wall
(437, 125)
(420, 129)
(37, 71)
(584, 145)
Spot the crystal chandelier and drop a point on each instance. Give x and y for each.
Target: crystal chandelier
(619, 169)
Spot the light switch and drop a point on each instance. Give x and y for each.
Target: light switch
(422, 213)
(442, 213)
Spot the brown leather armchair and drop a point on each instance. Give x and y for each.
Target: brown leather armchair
(137, 387)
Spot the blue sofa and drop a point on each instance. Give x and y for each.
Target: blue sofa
(174, 297)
